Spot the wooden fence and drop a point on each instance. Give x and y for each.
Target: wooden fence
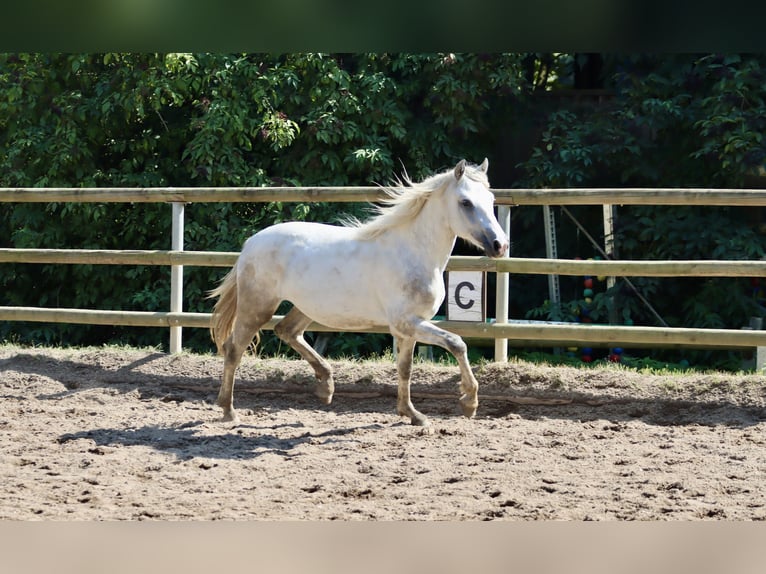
(501, 329)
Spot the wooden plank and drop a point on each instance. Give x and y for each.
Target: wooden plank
(616, 336)
(631, 196)
(119, 257)
(100, 317)
(572, 333)
(518, 265)
(584, 196)
(686, 268)
(191, 194)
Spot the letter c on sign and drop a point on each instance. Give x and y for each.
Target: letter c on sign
(460, 303)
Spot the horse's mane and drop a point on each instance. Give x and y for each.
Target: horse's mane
(406, 199)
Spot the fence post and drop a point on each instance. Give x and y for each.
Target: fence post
(176, 275)
(609, 249)
(502, 286)
(551, 252)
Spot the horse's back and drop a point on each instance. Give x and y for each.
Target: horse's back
(295, 238)
(325, 270)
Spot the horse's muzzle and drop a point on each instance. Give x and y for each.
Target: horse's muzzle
(495, 247)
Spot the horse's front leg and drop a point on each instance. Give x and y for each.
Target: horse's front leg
(404, 351)
(428, 333)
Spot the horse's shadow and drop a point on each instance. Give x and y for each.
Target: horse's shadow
(186, 443)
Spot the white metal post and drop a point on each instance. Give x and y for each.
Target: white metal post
(176, 274)
(503, 287)
(609, 249)
(551, 252)
(609, 237)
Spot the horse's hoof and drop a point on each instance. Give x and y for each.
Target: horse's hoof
(324, 391)
(230, 417)
(323, 395)
(469, 408)
(420, 420)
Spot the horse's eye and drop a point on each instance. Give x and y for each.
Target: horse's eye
(467, 203)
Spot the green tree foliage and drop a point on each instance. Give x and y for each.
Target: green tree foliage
(674, 121)
(141, 120)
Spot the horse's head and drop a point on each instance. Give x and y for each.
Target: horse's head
(470, 209)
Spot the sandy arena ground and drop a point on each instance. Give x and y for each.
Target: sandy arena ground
(122, 434)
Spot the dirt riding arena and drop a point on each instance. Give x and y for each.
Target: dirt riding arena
(121, 434)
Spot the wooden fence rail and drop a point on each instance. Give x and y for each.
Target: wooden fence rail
(531, 332)
(520, 331)
(517, 265)
(580, 196)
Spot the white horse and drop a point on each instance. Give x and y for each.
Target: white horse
(386, 271)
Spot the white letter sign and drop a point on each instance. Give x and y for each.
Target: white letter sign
(466, 296)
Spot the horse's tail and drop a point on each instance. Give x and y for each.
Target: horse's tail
(225, 309)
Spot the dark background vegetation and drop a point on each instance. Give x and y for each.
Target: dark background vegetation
(542, 119)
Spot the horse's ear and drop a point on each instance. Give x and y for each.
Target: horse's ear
(459, 169)
(484, 165)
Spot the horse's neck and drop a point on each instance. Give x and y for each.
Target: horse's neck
(427, 237)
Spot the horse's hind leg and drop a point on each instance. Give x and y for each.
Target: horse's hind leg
(233, 348)
(254, 308)
(290, 330)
